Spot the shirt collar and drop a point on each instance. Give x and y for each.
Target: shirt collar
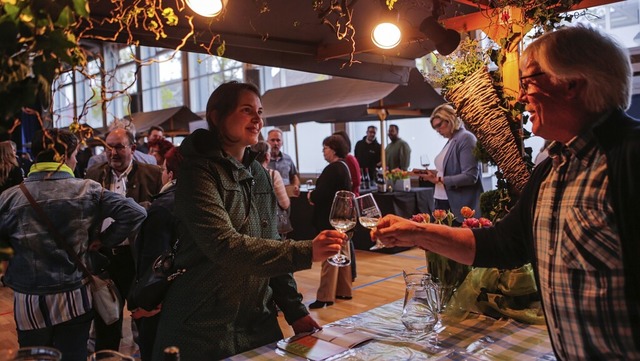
(579, 146)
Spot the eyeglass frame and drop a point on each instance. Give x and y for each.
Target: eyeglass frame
(524, 86)
(439, 125)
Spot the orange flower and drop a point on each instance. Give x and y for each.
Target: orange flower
(467, 212)
(440, 215)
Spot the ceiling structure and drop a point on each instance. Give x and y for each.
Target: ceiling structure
(291, 33)
(343, 99)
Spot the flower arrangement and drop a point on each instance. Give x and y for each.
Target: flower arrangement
(446, 273)
(396, 174)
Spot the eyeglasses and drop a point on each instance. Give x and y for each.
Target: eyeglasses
(438, 125)
(524, 85)
(117, 147)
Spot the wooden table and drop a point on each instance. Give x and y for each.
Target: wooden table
(475, 338)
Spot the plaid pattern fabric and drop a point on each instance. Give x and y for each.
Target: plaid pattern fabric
(579, 256)
(475, 338)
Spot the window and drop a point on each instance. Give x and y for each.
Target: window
(206, 73)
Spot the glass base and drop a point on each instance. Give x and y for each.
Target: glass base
(339, 260)
(376, 247)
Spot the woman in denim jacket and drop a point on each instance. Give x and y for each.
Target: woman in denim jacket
(52, 301)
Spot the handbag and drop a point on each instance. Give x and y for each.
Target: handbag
(149, 290)
(282, 215)
(106, 299)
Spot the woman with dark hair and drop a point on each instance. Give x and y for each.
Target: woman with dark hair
(352, 163)
(335, 282)
(159, 232)
(237, 269)
(52, 301)
(10, 171)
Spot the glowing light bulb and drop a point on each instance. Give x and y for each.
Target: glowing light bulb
(386, 35)
(206, 8)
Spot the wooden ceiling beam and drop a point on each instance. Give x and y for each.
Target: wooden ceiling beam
(481, 21)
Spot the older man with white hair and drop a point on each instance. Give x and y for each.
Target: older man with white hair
(577, 218)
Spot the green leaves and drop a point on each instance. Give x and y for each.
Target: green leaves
(36, 42)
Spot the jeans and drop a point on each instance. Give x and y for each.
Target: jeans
(69, 337)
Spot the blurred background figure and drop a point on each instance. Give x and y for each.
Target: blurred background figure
(52, 300)
(159, 232)
(335, 282)
(158, 148)
(457, 176)
(10, 171)
(352, 163)
(367, 153)
(398, 152)
(264, 157)
(282, 162)
(156, 133)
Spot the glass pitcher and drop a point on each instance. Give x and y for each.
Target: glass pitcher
(421, 302)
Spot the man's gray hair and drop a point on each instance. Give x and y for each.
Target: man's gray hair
(585, 54)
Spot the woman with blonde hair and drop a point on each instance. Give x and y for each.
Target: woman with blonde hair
(457, 176)
(10, 171)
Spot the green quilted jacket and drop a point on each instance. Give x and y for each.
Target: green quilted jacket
(237, 269)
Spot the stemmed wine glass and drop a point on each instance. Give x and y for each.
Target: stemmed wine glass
(369, 214)
(425, 161)
(342, 218)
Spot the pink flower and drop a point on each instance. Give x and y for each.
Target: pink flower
(421, 218)
(471, 223)
(467, 212)
(484, 222)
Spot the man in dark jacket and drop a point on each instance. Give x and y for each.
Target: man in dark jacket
(577, 218)
(123, 175)
(367, 153)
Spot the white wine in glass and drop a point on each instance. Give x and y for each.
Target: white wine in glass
(369, 214)
(342, 218)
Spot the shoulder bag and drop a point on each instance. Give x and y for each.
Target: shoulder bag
(106, 300)
(149, 290)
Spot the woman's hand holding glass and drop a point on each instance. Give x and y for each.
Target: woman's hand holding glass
(327, 243)
(343, 218)
(369, 214)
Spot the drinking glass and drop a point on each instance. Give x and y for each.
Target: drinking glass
(369, 214)
(425, 161)
(343, 218)
(109, 355)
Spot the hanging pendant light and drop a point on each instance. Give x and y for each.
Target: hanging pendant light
(386, 35)
(206, 8)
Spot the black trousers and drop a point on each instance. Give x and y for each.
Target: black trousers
(122, 271)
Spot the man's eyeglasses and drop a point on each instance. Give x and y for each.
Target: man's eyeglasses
(117, 147)
(524, 84)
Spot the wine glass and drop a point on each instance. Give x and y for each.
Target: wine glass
(369, 214)
(342, 218)
(425, 161)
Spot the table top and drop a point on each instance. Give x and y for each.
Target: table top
(475, 338)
